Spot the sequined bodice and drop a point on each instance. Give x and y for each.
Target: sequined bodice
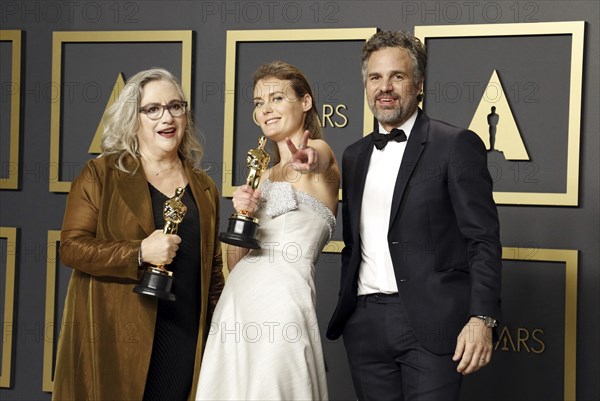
(293, 224)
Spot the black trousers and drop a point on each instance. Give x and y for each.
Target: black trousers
(387, 361)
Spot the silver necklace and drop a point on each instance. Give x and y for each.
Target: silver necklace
(168, 168)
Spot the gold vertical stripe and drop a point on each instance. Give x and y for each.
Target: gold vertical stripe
(50, 318)
(10, 233)
(12, 181)
(92, 344)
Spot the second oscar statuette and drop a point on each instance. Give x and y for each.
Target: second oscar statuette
(157, 281)
(242, 227)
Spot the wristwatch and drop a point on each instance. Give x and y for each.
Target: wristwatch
(488, 321)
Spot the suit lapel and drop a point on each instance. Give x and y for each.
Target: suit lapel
(414, 148)
(363, 158)
(133, 189)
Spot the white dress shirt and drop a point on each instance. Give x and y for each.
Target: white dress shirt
(376, 272)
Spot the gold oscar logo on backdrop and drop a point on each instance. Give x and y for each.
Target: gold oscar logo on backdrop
(521, 339)
(494, 120)
(60, 171)
(331, 116)
(495, 123)
(116, 91)
(334, 116)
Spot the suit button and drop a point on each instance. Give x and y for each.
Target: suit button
(403, 280)
(394, 242)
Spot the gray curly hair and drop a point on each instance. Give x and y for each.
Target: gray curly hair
(121, 122)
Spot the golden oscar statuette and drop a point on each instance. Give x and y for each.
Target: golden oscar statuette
(157, 281)
(242, 226)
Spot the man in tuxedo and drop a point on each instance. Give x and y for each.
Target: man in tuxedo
(420, 280)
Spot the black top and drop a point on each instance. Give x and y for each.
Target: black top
(176, 333)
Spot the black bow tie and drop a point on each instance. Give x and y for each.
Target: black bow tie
(380, 140)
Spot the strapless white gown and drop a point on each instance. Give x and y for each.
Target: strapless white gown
(264, 341)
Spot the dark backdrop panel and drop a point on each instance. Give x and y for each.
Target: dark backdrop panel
(532, 336)
(87, 91)
(335, 80)
(536, 86)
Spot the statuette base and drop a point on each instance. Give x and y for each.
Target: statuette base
(157, 283)
(241, 232)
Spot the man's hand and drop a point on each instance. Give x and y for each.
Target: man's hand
(473, 347)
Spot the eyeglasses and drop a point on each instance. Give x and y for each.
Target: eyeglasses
(156, 111)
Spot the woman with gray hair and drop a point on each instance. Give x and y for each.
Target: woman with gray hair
(114, 342)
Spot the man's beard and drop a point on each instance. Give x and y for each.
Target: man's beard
(393, 115)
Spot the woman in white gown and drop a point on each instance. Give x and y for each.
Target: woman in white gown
(264, 341)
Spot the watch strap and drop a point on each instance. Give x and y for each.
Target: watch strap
(487, 320)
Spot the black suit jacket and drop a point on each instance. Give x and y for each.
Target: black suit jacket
(443, 233)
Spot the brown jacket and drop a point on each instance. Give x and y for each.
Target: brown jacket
(107, 332)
